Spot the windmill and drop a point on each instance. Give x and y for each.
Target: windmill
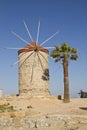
(33, 65)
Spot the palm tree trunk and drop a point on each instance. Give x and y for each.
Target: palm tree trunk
(66, 81)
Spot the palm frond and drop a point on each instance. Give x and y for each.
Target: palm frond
(74, 57)
(57, 59)
(74, 50)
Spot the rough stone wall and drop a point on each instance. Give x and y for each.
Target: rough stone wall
(60, 121)
(34, 73)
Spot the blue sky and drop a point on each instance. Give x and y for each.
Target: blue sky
(67, 16)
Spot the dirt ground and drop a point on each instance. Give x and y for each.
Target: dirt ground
(51, 105)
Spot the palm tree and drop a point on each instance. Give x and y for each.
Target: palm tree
(64, 53)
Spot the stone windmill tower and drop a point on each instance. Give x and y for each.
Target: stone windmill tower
(33, 66)
(33, 70)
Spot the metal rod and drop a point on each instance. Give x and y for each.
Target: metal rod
(11, 48)
(49, 47)
(33, 67)
(49, 38)
(38, 30)
(18, 60)
(26, 58)
(28, 31)
(43, 56)
(40, 61)
(20, 38)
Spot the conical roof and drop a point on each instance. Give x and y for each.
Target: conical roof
(32, 47)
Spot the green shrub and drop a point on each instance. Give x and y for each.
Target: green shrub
(12, 115)
(29, 106)
(6, 108)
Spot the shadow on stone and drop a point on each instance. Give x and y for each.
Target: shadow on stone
(83, 108)
(45, 75)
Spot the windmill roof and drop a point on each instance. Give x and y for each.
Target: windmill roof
(32, 46)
